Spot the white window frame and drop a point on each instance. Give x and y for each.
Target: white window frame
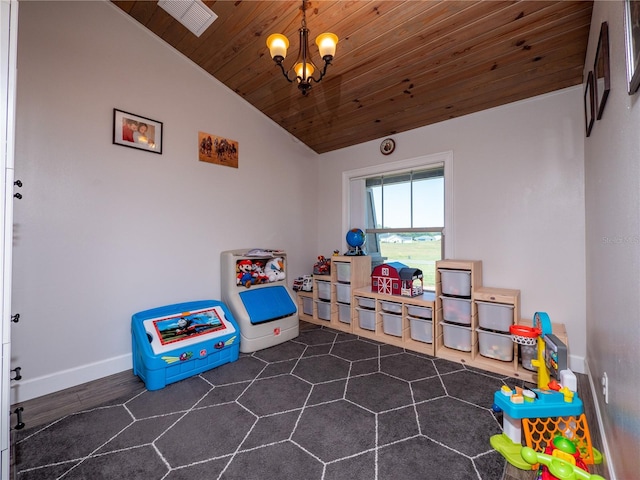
(354, 209)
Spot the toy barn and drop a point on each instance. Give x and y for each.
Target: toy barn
(396, 278)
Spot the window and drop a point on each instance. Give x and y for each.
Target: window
(403, 210)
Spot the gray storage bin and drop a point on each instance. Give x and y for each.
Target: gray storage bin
(324, 290)
(343, 271)
(456, 310)
(343, 292)
(420, 312)
(495, 345)
(455, 282)
(344, 313)
(367, 319)
(392, 324)
(307, 305)
(457, 337)
(421, 329)
(366, 302)
(391, 307)
(495, 316)
(324, 310)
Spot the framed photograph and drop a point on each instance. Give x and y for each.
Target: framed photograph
(601, 71)
(218, 150)
(632, 40)
(134, 131)
(589, 105)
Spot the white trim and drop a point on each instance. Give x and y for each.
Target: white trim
(606, 451)
(37, 387)
(445, 158)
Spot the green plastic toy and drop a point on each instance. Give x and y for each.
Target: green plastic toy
(558, 467)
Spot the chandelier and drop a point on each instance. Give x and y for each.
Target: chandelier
(303, 68)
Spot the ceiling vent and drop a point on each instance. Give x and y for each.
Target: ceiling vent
(193, 14)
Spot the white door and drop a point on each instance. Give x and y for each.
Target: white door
(8, 51)
(384, 285)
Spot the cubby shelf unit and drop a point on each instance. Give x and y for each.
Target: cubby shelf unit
(399, 331)
(347, 274)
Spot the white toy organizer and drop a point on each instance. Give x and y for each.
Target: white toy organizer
(254, 287)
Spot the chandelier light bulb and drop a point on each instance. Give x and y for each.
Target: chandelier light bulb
(327, 44)
(278, 45)
(300, 73)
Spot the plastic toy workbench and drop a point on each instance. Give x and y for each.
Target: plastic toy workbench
(548, 403)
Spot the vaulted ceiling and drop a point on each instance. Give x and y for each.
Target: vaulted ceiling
(399, 65)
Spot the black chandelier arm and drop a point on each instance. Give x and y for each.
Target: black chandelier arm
(327, 62)
(279, 62)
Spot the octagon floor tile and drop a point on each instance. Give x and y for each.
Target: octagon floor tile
(267, 463)
(276, 394)
(316, 337)
(188, 442)
(419, 458)
(271, 429)
(223, 394)
(140, 462)
(363, 367)
(427, 389)
(75, 436)
(459, 425)
(243, 369)
(315, 350)
(278, 353)
(360, 467)
(335, 430)
(379, 392)
(472, 387)
(490, 465)
(355, 350)
(140, 432)
(278, 368)
(201, 470)
(48, 472)
(396, 425)
(322, 369)
(327, 392)
(407, 366)
(175, 397)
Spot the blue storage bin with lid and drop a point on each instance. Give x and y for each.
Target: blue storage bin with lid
(177, 341)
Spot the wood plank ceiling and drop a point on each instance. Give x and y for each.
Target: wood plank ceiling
(399, 65)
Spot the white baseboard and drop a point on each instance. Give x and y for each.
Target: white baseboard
(24, 390)
(606, 453)
(576, 364)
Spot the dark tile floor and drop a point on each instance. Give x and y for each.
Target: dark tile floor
(326, 405)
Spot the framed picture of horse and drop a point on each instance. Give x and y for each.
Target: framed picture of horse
(219, 150)
(134, 131)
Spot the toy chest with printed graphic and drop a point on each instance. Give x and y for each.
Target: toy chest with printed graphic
(175, 342)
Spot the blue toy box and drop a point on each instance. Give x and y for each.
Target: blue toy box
(174, 342)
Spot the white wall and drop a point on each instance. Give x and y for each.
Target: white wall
(105, 231)
(612, 171)
(518, 200)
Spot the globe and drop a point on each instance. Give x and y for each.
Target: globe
(355, 239)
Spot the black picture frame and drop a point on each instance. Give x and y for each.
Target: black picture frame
(632, 43)
(126, 131)
(589, 105)
(602, 71)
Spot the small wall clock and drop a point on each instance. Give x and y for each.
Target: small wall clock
(387, 146)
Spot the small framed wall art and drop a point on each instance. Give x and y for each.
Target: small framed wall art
(219, 150)
(589, 105)
(134, 131)
(601, 71)
(632, 40)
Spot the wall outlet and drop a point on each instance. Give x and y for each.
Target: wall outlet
(604, 381)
